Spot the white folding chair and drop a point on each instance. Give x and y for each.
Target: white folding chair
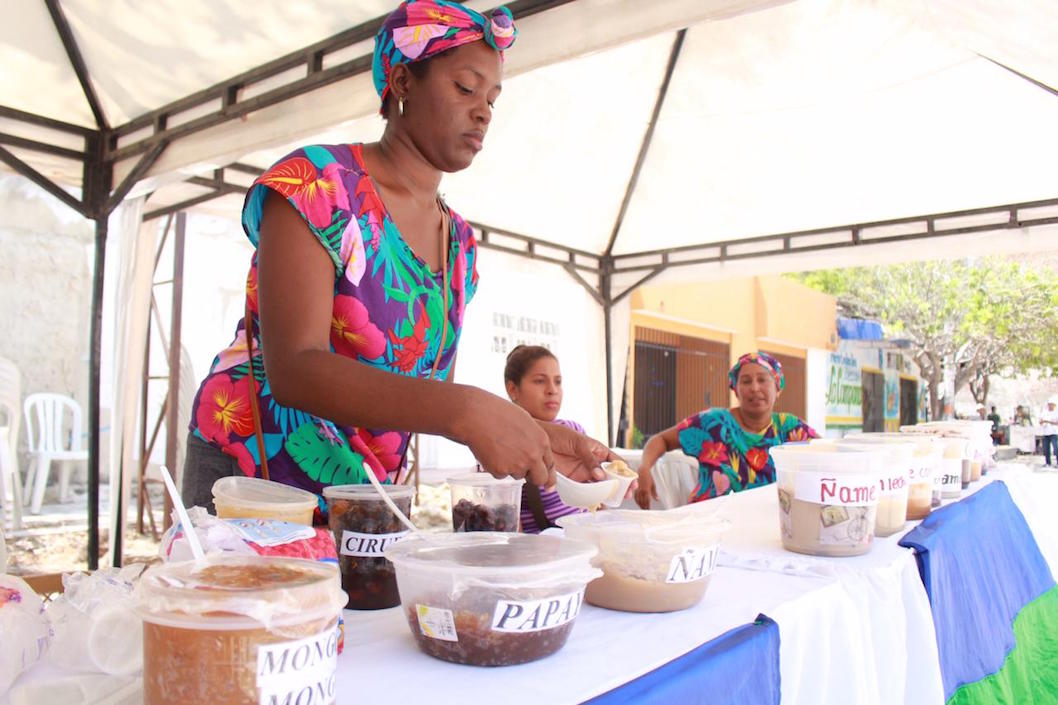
(10, 418)
(53, 426)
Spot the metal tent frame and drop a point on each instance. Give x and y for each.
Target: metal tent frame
(148, 136)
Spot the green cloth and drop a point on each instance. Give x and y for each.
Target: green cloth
(1030, 673)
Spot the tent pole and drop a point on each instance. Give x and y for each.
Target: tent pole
(95, 348)
(606, 267)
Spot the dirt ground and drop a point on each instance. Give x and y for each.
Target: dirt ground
(63, 548)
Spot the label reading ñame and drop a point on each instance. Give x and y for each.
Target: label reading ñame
(368, 545)
(436, 622)
(536, 615)
(692, 564)
(299, 671)
(837, 489)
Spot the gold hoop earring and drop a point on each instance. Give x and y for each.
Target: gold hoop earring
(400, 106)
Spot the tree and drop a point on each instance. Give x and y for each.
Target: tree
(972, 318)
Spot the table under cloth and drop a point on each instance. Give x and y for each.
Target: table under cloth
(773, 627)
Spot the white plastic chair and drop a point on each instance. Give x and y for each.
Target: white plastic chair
(52, 437)
(10, 420)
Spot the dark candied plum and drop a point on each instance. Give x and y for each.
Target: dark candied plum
(468, 516)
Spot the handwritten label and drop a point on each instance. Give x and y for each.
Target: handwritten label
(893, 485)
(951, 472)
(922, 472)
(368, 545)
(437, 623)
(692, 564)
(837, 489)
(536, 615)
(298, 672)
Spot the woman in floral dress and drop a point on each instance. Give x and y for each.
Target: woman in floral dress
(730, 445)
(357, 289)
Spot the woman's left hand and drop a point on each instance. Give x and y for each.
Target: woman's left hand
(576, 456)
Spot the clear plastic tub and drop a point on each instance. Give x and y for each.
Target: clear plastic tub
(491, 599)
(894, 485)
(480, 502)
(363, 526)
(923, 468)
(239, 629)
(250, 497)
(657, 561)
(828, 498)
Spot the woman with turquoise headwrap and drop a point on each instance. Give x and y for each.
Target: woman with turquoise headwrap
(730, 445)
(357, 289)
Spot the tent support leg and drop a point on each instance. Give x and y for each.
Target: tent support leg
(605, 282)
(94, 351)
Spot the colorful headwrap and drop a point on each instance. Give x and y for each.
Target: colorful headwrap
(773, 366)
(419, 29)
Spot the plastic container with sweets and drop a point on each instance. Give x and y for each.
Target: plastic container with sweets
(363, 526)
(489, 598)
(239, 629)
(828, 498)
(894, 484)
(480, 502)
(658, 561)
(251, 497)
(922, 471)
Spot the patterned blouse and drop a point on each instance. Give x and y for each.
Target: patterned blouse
(731, 459)
(387, 314)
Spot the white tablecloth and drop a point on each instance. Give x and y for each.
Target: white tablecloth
(852, 630)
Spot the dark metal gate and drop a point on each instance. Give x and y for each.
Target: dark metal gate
(873, 401)
(676, 376)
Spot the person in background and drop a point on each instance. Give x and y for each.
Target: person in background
(730, 445)
(1022, 416)
(357, 289)
(1049, 421)
(997, 436)
(534, 382)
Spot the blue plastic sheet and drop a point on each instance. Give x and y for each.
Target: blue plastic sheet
(859, 329)
(980, 565)
(740, 666)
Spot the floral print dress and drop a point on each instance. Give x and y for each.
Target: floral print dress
(387, 313)
(731, 459)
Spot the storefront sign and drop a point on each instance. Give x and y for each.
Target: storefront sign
(844, 392)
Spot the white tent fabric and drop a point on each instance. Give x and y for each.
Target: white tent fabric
(133, 245)
(779, 117)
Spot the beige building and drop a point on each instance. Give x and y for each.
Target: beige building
(685, 337)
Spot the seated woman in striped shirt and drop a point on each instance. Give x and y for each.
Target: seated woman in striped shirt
(534, 382)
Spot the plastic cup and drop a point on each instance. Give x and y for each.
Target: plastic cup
(363, 526)
(239, 629)
(489, 598)
(657, 561)
(251, 497)
(481, 502)
(828, 498)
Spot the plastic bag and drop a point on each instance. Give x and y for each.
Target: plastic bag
(94, 627)
(25, 630)
(266, 537)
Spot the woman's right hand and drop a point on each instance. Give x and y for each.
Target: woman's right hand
(506, 440)
(646, 489)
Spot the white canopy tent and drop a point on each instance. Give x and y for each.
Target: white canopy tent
(723, 136)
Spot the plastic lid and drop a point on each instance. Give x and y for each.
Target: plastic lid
(269, 589)
(254, 492)
(489, 554)
(894, 450)
(634, 526)
(363, 493)
(827, 457)
(479, 479)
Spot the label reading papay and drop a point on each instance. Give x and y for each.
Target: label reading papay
(299, 671)
(837, 489)
(536, 615)
(368, 545)
(692, 564)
